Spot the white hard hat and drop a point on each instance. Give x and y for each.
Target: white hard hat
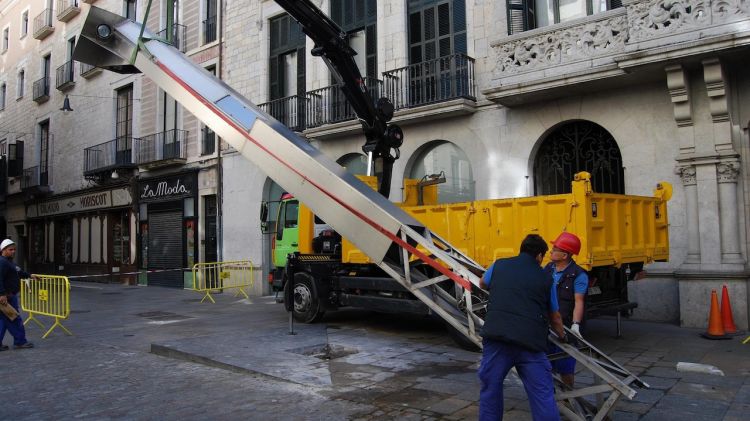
(7, 242)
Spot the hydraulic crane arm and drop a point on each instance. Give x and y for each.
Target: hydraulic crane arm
(331, 44)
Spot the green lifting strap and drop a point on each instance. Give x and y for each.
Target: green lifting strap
(139, 45)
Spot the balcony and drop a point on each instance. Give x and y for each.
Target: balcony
(162, 149)
(41, 90)
(599, 51)
(67, 10)
(289, 111)
(178, 37)
(100, 160)
(43, 24)
(209, 30)
(35, 180)
(329, 105)
(88, 71)
(65, 75)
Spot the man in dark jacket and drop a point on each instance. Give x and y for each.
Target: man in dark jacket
(521, 308)
(10, 286)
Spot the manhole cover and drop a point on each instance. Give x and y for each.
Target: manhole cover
(325, 352)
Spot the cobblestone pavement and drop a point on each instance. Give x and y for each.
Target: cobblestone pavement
(155, 353)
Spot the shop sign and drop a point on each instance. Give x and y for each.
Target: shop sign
(167, 188)
(81, 203)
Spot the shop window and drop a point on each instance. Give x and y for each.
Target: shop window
(36, 243)
(444, 158)
(63, 248)
(578, 146)
(120, 238)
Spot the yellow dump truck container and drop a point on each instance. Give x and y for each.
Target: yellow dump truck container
(614, 229)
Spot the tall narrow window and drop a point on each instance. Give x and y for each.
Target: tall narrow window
(287, 71)
(436, 29)
(5, 39)
(359, 20)
(209, 24)
(130, 9)
(24, 23)
(208, 146)
(3, 92)
(20, 82)
(124, 124)
(524, 15)
(44, 138)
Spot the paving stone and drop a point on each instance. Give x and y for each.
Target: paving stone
(449, 406)
(633, 406)
(671, 373)
(649, 396)
(661, 383)
(743, 394)
(624, 416)
(702, 391)
(692, 405)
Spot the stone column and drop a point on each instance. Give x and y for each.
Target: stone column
(687, 175)
(727, 173)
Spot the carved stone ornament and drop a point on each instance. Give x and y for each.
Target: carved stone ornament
(727, 172)
(687, 174)
(655, 18)
(566, 45)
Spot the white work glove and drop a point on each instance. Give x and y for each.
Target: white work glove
(576, 329)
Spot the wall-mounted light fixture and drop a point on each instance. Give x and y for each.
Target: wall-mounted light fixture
(66, 108)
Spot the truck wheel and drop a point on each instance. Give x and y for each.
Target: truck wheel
(307, 308)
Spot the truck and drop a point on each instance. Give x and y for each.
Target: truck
(619, 234)
(380, 238)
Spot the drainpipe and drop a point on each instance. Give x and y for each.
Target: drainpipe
(219, 170)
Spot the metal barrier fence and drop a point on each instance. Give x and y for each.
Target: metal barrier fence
(218, 276)
(46, 295)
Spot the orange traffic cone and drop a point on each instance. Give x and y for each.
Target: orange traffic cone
(727, 320)
(715, 326)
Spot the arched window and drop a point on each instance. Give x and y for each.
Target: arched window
(443, 156)
(579, 146)
(355, 163)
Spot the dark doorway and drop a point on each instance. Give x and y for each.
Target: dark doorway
(211, 252)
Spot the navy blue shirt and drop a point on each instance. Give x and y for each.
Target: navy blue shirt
(10, 276)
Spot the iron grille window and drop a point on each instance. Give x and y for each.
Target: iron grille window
(3, 92)
(579, 146)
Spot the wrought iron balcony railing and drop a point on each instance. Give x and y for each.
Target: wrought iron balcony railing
(43, 24)
(65, 76)
(35, 177)
(329, 105)
(67, 9)
(429, 82)
(289, 111)
(209, 30)
(108, 156)
(164, 146)
(88, 70)
(177, 33)
(41, 90)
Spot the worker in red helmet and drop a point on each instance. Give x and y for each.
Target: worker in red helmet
(571, 284)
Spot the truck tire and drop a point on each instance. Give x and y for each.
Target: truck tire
(307, 308)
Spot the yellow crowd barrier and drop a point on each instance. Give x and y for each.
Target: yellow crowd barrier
(46, 295)
(218, 276)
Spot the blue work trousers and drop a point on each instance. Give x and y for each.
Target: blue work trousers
(15, 327)
(534, 370)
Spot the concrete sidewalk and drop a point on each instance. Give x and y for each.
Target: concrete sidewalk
(353, 365)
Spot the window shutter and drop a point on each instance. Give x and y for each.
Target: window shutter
(521, 16)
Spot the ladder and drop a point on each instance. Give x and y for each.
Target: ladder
(388, 235)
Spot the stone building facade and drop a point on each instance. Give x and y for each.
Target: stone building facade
(511, 98)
